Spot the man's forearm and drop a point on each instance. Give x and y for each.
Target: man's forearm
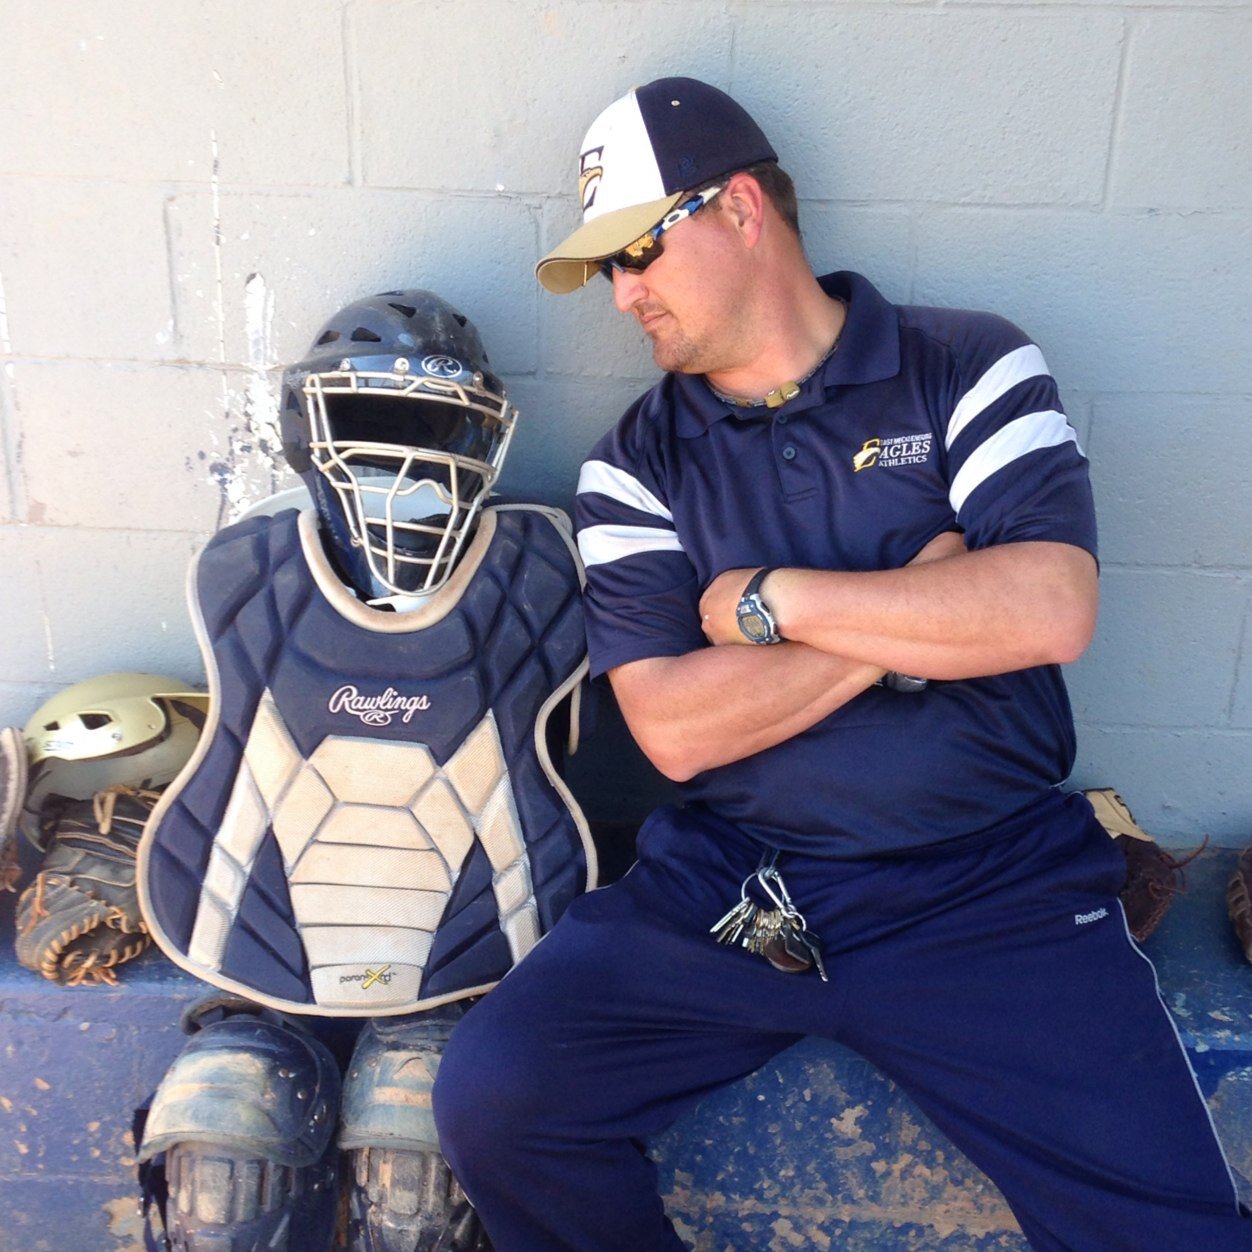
(985, 612)
(716, 705)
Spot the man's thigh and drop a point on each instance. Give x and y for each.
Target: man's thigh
(1029, 1026)
(622, 1017)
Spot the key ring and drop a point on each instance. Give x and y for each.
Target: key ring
(768, 860)
(767, 875)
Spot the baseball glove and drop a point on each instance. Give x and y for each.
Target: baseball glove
(79, 918)
(1239, 901)
(1153, 875)
(13, 762)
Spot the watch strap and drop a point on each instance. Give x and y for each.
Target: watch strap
(906, 684)
(754, 583)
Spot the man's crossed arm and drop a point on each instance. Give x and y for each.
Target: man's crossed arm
(948, 614)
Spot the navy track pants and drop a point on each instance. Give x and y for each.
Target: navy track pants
(994, 979)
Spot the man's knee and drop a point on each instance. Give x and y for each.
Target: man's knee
(490, 1086)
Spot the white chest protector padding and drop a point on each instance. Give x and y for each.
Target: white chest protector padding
(373, 823)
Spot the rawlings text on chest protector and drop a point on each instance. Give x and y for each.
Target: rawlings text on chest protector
(373, 823)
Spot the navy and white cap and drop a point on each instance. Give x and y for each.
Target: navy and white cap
(640, 155)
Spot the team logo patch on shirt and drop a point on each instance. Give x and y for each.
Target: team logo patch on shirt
(894, 450)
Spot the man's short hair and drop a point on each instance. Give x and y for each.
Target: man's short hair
(776, 184)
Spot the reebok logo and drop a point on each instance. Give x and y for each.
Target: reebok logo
(1082, 919)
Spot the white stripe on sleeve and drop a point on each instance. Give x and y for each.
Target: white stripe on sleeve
(607, 480)
(1026, 434)
(1008, 371)
(599, 545)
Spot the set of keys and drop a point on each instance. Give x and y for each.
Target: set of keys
(779, 934)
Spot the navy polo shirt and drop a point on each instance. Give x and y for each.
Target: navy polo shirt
(923, 420)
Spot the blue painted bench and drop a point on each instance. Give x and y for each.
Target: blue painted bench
(815, 1151)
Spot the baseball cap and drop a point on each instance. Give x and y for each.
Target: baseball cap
(640, 155)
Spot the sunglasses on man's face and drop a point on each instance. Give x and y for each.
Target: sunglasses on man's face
(635, 257)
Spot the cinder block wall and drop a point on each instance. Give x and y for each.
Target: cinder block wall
(187, 190)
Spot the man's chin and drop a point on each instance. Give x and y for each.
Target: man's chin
(679, 357)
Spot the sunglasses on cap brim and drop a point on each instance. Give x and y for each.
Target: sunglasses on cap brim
(635, 257)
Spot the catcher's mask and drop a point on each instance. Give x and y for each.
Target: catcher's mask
(136, 730)
(399, 429)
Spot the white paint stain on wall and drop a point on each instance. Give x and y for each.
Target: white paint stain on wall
(49, 647)
(247, 464)
(260, 398)
(251, 466)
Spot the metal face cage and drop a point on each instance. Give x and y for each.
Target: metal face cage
(409, 507)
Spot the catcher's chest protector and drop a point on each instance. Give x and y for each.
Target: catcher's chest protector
(372, 823)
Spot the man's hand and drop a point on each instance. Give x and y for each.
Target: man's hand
(717, 606)
(721, 597)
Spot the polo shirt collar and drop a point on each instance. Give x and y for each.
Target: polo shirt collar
(869, 351)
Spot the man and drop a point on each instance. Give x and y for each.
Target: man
(834, 558)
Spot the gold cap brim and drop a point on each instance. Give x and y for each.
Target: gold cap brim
(572, 263)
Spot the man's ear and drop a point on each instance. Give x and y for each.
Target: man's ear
(743, 203)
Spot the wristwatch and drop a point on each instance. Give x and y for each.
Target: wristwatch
(754, 617)
(906, 684)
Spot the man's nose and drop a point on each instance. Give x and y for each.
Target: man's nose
(628, 289)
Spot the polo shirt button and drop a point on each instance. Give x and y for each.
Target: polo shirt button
(782, 419)
(789, 453)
